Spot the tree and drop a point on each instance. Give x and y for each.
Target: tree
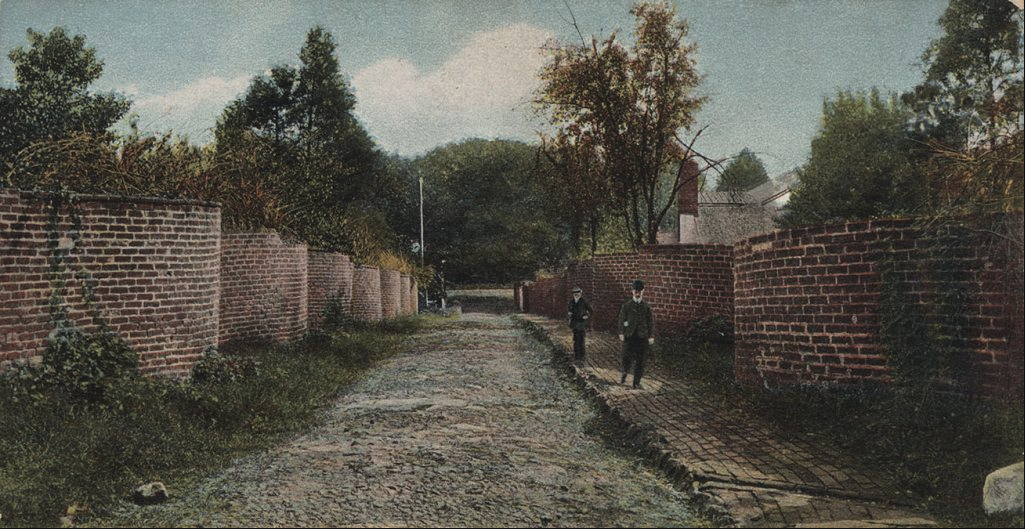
(575, 176)
(970, 108)
(486, 214)
(51, 99)
(973, 88)
(312, 151)
(630, 105)
(863, 164)
(744, 172)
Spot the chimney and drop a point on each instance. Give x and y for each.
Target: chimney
(687, 202)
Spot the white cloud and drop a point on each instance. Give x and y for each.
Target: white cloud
(483, 90)
(190, 110)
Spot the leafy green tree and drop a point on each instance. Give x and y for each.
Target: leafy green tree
(744, 172)
(863, 164)
(310, 150)
(970, 109)
(51, 99)
(486, 214)
(575, 175)
(630, 105)
(973, 87)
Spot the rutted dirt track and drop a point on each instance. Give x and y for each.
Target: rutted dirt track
(470, 426)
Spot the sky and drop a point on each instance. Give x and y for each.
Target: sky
(430, 72)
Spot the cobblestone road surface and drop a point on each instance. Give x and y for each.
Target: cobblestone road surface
(471, 426)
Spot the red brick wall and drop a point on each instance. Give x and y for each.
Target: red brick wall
(391, 282)
(611, 276)
(366, 294)
(155, 264)
(548, 296)
(330, 277)
(264, 290)
(682, 283)
(1015, 306)
(808, 303)
(687, 282)
(414, 296)
(405, 282)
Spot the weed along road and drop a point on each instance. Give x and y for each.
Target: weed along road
(470, 425)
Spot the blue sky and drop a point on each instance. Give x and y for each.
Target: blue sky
(429, 72)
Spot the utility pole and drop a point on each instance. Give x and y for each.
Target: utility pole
(427, 299)
(422, 248)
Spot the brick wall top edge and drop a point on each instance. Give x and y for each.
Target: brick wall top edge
(668, 248)
(367, 267)
(327, 253)
(615, 254)
(29, 194)
(854, 226)
(273, 236)
(842, 227)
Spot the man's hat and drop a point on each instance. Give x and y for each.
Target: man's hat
(576, 289)
(638, 285)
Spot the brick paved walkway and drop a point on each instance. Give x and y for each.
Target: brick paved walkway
(744, 471)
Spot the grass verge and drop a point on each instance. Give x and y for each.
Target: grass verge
(60, 451)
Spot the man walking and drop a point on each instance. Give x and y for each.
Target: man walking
(579, 314)
(637, 332)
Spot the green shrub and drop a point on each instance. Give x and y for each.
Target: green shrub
(81, 365)
(711, 329)
(215, 368)
(64, 448)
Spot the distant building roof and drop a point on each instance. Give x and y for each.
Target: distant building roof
(722, 198)
(761, 195)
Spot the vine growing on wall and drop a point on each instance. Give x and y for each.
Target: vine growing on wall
(923, 317)
(78, 362)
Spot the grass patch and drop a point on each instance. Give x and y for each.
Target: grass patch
(938, 446)
(61, 450)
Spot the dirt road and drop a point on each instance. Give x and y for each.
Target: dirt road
(470, 426)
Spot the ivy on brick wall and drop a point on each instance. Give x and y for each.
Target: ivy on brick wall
(923, 303)
(78, 362)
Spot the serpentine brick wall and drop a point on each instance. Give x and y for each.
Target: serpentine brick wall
(264, 290)
(366, 294)
(330, 278)
(611, 276)
(809, 302)
(154, 263)
(391, 283)
(683, 282)
(687, 282)
(405, 282)
(414, 296)
(806, 304)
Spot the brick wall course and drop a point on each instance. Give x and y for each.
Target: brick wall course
(805, 303)
(155, 264)
(682, 283)
(808, 303)
(414, 296)
(405, 284)
(264, 288)
(391, 282)
(329, 278)
(366, 294)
